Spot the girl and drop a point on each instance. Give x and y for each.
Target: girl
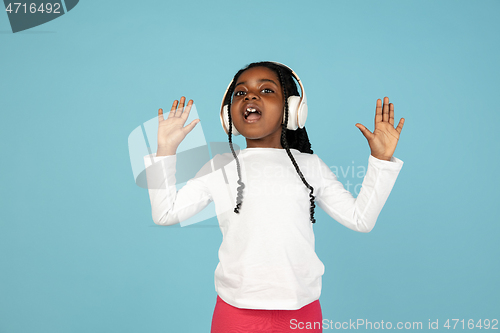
(269, 276)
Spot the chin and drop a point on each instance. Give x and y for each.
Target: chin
(257, 131)
(254, 133)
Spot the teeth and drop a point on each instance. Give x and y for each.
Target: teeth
(249, 110)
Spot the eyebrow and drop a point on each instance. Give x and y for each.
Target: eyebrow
(261, 80)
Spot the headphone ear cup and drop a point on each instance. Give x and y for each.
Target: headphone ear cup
(225, 122)
(293, 109)
(297, 114)
(302, 115)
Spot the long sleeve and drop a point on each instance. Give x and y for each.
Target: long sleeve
(361, 213)
(168, 205)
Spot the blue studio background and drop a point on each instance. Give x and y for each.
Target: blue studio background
(79, 251)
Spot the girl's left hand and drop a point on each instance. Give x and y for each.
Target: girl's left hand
(385, 137)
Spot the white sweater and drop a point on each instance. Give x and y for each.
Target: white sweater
(267, 256)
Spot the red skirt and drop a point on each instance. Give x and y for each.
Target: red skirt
(230, 319)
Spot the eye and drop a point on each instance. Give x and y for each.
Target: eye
(267, 90)
(239, 93)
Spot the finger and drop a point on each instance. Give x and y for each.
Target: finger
(189, 127)
(180, 107)
(160, 115)
(172, 109)
(400, 125)
(368, 135)
(378, 111)
(391, 114)
(185, 114)
(385, 110)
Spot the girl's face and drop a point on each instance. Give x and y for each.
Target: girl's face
(258, 89)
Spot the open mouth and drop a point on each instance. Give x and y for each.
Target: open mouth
(252, 115)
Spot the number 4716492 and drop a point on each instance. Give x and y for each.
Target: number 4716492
(43, 8)
(485, 323)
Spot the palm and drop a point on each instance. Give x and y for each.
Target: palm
(171, 131)
(385, 137)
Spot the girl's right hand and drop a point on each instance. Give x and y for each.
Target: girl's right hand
(171, 131)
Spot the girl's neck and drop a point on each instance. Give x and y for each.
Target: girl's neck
(265, 147)
(253, 143)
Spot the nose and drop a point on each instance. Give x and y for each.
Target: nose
(250, 95)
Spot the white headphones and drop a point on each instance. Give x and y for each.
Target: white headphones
(297, 108)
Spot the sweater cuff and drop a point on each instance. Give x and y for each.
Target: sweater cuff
(152, 158)
(394, 164)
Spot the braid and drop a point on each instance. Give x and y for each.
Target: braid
(239, 197)
(303, 140)
(284, 140)
(299, 140)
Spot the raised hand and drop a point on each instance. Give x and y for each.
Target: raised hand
(171, 131)
(385, 137)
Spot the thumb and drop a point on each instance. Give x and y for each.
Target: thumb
(368, 135)
(190, 127)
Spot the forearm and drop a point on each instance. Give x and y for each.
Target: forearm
(169, 206)
(376, 187)
(359, 214)
(160, 175)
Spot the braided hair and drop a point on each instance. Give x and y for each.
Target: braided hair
(296, 139)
